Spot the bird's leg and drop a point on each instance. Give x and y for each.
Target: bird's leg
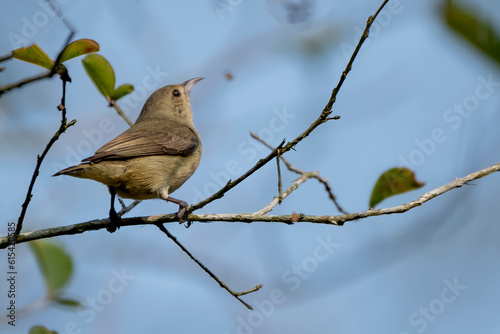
(114, 220)
(182, 209)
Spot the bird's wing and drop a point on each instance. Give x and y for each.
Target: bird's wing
(177, 141)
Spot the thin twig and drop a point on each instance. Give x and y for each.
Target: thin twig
(338, 220)
(329, 191)
(231, 184)
(23, 82)
(57, 68)
(266, 144)
(202, 266)
(277, 200)
(62, 128)
(321, 119)
(324, 117)
(122, 203)
(294, 169)
(280, 185)
(127, 208)
(64, 21)
(6, 57)
(120, 112)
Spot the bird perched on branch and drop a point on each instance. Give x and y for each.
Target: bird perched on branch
(152, 158)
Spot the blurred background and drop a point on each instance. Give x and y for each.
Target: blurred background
(421, 95)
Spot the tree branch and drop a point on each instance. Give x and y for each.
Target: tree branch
(57, 68)
(280, 184)
(6, 57)
(337, 220)
(231, 184)
(282, 195)
(315, 175)
(23, 82)
(120, 112)
(222, 284)
(62, 128)
(323, 117)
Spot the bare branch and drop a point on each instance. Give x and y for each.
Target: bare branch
(283, 195)
(280, 185)
(23, 82)
(62, 128)
(126, 209)
(324, 117)
(222, 284)
(6, 57)
(337, 220)
(64, 21)
(315, 175)
(56, 66)
(120, 112)
(231, 184)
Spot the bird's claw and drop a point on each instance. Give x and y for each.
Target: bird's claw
(182, 216)
(114, 221)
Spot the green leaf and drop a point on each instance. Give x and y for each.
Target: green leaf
(478, 31)
(55, 264)
(393, 182)
(78, 48)
(68, 302)
(101, 73)
(35, 55)
(122, 91)
(103, 76)
(40, 330)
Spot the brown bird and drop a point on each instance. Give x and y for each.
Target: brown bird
(152, 158)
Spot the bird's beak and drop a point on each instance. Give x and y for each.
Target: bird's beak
(190, 83)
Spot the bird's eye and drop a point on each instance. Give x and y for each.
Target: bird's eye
(176, 93)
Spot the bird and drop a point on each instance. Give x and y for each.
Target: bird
(151, 159)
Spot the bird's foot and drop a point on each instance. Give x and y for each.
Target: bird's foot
(114, 221)
(182, 215)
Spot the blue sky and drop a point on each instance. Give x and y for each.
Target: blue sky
(431, 270)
